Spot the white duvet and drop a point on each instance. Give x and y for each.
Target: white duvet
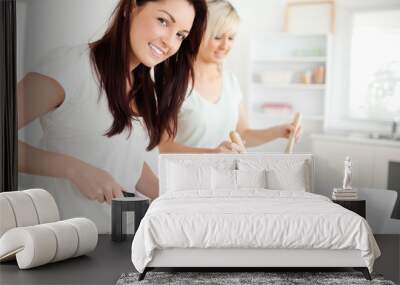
(250, 218)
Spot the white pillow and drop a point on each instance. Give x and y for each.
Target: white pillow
(223, 179)
(293, 180)
(251, 178)
(282, 174)
(181, 177)
(236, 179)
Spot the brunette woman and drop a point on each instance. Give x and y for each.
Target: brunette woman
(101, 112)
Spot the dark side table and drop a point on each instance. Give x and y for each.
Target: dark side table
(119, 207)
(357, 206)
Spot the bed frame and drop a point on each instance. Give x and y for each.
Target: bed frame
(246, 259)
(260, 259)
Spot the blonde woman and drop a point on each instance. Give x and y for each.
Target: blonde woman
(215, 107)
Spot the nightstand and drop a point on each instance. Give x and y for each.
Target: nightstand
(357, 206)
(119, 207)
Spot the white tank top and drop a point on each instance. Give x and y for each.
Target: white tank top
(77, 128)
(205, 124)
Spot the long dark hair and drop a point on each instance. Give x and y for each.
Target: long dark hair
(158, 102)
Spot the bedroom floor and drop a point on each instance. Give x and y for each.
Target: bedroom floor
(110, 260)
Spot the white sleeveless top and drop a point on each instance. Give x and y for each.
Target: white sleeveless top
(205, 124)
(77, 128)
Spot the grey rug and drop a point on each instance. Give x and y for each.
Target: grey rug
(243, 278)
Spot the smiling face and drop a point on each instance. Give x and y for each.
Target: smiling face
(222, 24)
(216, 48)
(158, 29)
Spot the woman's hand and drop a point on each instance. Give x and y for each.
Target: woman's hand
(285, 130)
(93, 183)
(229, 147)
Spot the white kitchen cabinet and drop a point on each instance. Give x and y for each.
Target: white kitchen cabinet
(370, 159)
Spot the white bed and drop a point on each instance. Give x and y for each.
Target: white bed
(195, 223)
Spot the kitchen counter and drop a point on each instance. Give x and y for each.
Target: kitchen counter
(357, 139)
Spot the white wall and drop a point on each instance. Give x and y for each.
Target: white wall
(54, 23)
(21, 31)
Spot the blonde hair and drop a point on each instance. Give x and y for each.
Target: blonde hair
(222, 17)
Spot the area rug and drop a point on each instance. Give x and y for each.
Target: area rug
(253, 278)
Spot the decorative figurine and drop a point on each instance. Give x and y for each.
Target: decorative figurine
(347, 174)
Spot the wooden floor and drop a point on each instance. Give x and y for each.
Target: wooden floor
(110, 260)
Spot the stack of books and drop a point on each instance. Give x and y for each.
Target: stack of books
(344, 194)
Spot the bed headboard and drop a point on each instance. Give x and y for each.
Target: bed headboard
(237, 161)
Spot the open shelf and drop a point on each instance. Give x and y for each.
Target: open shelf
(280, 63)
(288, 117)
(297, 86)
(292, 59)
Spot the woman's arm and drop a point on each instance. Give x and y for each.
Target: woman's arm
(254, 137)
(37, 95)
(170, 146)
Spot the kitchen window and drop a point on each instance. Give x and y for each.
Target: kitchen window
(374, 85)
